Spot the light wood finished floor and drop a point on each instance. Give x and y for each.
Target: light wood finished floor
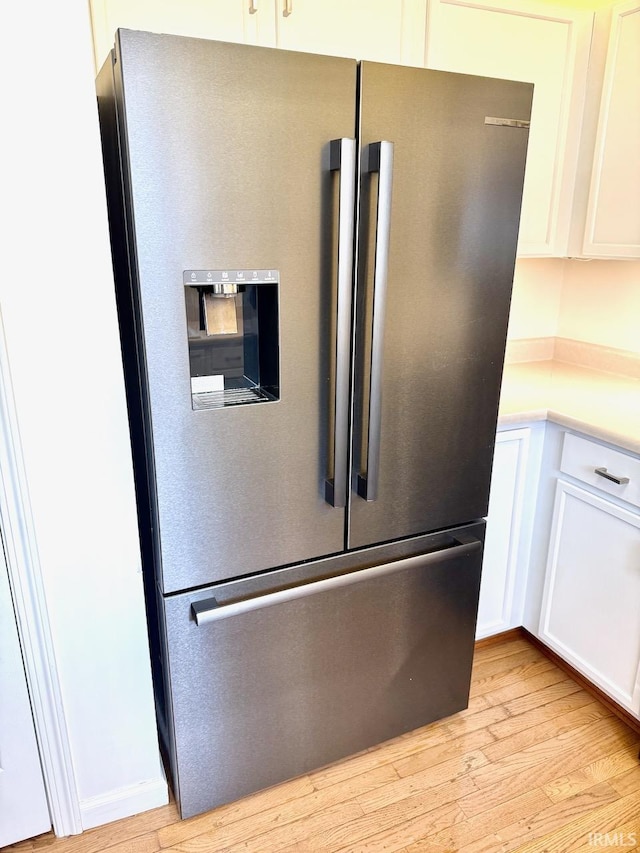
(534, 765)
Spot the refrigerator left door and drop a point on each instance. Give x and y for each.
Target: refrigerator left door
(233, 194)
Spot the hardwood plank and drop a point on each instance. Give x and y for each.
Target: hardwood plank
(543, 731)
(576, 833)
(539, 764)
(393, 750)
(484, 668)
(147, 843)
(518, 675)
(403, 832)
(463, 724)
(239, 810)
(536, 698)
(627, 783)
(393, 824)
(601, 770)
(558, 815)
(449, 749)
(292, 835)
(621, 838)
(501, 645)
(449, 774)
(540, 714)
(473, 830)
(586, 737)
(227, 831)
(111, 834)
(476, 703)
(520, 688)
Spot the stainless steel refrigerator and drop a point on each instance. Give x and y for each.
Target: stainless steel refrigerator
(313, 260)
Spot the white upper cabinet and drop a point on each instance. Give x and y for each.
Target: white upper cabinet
(540, 44)
(379, 30)
(613, 212)
(226, 20)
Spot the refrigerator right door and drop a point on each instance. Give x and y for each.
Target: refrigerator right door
(441, 175)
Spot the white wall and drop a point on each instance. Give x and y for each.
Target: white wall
(593, 301)
(535, 304)
(56, 295)
(601, 303)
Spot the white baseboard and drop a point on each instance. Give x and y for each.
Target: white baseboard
(123, 802)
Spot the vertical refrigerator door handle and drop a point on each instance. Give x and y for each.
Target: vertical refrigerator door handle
(381, 161)
(342, 158)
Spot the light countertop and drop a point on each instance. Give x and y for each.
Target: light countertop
(603, 405)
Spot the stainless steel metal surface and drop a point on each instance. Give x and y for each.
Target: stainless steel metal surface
(343, 160)
(454, 225)
(263, 675)
(507, 122)
(380, 160)
(620, 481)
(271, 693)
(210, 610)
(206, 125)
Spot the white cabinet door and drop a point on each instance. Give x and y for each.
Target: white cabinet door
(496, 610)
(613, 213)
(379, 30)
(591, 604)
(23, 802)
(540, 44)
(225, 20)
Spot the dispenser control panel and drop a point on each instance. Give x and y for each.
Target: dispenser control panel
(204, 277)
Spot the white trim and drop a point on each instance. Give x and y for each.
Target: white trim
(32, 617)
(508, 618)
(522, 436)
(123, 802)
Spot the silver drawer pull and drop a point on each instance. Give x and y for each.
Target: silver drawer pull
(619, 481)
(210, 610)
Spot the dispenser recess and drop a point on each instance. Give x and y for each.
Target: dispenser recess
(233, 336)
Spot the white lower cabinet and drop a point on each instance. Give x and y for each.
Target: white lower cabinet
(591, 604)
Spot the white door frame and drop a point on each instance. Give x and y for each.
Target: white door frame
(25, 578)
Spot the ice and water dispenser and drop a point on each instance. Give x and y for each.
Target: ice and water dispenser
(232, 325)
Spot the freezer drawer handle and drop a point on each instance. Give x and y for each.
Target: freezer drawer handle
(342, 158)
(381, 161)
(620, 481)
(210, 610)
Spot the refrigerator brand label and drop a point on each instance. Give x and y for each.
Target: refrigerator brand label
(507, 122)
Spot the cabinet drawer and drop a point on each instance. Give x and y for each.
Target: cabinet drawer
(583, 459)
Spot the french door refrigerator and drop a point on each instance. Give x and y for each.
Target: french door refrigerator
(313, 261)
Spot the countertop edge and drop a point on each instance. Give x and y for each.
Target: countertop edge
(597, 431)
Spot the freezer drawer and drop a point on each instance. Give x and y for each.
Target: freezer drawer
(267, 687)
